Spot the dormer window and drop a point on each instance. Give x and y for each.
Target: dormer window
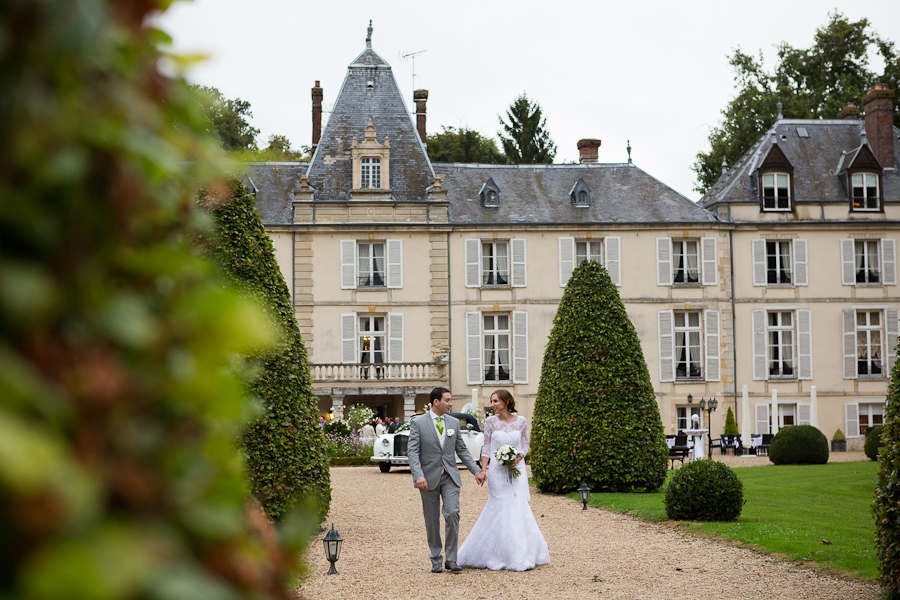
(580, 194)
(490, 193)
(370, 173)
(776, 191)
(864, 191)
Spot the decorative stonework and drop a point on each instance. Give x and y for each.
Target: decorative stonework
(371, 149)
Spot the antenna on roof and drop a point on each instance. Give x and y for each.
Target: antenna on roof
(412, 56)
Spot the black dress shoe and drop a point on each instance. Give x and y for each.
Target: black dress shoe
(436, 569)
(454, 568)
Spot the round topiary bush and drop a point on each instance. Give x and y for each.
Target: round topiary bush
(704, 490)
(799, 445)
(873, 442)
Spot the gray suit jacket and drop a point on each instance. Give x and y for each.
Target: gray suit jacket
(426, 456)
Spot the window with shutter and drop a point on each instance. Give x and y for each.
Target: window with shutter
(520, 346)
(848, 321)
(519, 272)
(848, 267)
(869, 344)
(566, 259)
(710, 264)
(395, 264)
(804, 344)
(348, 338)
(395, 337)
(851, 420)
(892, 329)
(348, 264)
(758, 251)
(801, 270)
(664, 261)
(762, 418)
(713, 367)
(888, 262)
(473, 263)
(688, 352)
(869, 414)
(666, 346)
(804, 414)
(474, 375)
(613, 261)
(496, 336)
(759, 345)
(495, 264)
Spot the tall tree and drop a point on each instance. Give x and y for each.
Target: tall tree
(228, 119)
(525, 137)
(811, 83)
(886, 507)
(464, 146)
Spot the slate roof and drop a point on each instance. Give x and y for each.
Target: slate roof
(330, 172)
(815, 159)
(620, 193)
(276, 183)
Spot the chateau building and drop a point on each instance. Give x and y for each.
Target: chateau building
(407, 274)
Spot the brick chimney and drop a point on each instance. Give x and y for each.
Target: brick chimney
(421, 97)
(587, 149)
(317, 115)
(848, 112)
(879, 104)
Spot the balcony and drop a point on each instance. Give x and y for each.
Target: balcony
(379, 372)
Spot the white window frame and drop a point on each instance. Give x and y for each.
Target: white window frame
(684, 253)
(886, 248)
(801, 343)
(865, 198)
(370, 173)
(476, 272)
(775, 251)
(372, 274)
(393, 264)
(517, 344)
(367, 332)
(867, 263)
(771, 181)
(852, 411)
(709, 351)
(873, 413)
(498, 271)
(890, 319)
(775, 335)
(707, 261)
(501, 339)
(352, 334)
(798, 260)
(588, 250)
(688, 411)
(686, 329)
(866, 346)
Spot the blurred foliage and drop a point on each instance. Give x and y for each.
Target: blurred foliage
(811, 83)
(525, 138)
(595, 417)
(704, 490)
(886, 506)
(285, 447)
(463, 146)
(799, 445)
(119, 409)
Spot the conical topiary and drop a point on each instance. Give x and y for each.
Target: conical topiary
(731, 427)
(595, 417)
(887, 493)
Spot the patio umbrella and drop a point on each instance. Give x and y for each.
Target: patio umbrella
(746, 423)
(774, 412)
(813, 407)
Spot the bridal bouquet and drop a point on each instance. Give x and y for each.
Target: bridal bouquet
(506, 455)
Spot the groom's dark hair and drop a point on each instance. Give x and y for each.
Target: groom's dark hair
(437, 393)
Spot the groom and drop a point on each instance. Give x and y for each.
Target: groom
(434, 442)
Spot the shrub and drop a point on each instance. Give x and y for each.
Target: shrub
(704, 490)
(595, 418)
(285, 446)
(731, 427)
(839, 436)
(359, 415)
(873, 442)
(120, 477)
(336, 426)
(339, 444)
(886, 506)
(799, 445)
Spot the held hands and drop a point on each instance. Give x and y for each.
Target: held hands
(481, 477)
(422, 484)
(518, 459)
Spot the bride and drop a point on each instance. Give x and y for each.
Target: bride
(506, 536)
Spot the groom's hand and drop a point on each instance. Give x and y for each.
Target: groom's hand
(480, 477)
(422, 484)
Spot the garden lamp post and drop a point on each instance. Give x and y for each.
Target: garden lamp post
(712, 404)
(584, 490)
(332, 542)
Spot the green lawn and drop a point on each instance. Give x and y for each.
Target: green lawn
(790, 510)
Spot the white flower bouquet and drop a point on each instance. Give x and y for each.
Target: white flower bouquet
(506, 455)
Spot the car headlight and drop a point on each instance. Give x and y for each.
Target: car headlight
(385, 442)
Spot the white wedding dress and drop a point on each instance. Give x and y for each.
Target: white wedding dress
(506, 535)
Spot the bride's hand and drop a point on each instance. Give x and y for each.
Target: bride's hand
(518, 458)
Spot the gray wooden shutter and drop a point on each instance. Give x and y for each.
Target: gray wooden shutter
(666, 345)
(801, 268)
(759, 262)
(474, 373)
(517, 253)
(710, 273)
(892, 329)
(762, 418)
(848, 317)
(848, 269)
(760, 372)
(520, 346)
(566, 259)
(395, 337)
(612, 249)
(804, 414)
(473, 263)
(888, 262)
(664, 261)
(348, 338)
(395, 264)
(348, 264)
(851, 420)
(713, 368)
(804, 344)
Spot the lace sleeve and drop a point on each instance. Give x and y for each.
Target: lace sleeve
(526, 437)
(486, 448)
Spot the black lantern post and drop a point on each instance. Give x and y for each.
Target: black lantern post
(711, 404)
(584, 490)
(332, 541)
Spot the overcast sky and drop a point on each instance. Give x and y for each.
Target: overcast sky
(654, 73)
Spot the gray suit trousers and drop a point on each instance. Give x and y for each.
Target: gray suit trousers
(448, 491)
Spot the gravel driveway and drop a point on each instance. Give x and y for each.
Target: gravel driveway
(593, 553)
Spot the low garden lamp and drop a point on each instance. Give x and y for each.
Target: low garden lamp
(584, 490)
(332, 541)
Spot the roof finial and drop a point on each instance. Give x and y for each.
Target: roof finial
(724, 166)
(369, 36)
(629, 151)
(780, 117)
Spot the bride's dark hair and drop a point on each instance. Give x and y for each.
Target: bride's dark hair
(506, 397)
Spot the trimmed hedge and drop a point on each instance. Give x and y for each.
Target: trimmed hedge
(704, 490)
(873, 442)
(285, 446)
(886, 506)
(595, 417)
(799, 445)
(351, 461)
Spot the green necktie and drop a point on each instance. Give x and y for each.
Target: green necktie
(440, 425)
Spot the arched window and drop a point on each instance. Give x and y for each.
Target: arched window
(370, 173)
(582, 197)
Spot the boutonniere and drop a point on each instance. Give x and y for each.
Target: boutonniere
(451, 432)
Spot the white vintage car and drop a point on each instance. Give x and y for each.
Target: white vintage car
(390, 448)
